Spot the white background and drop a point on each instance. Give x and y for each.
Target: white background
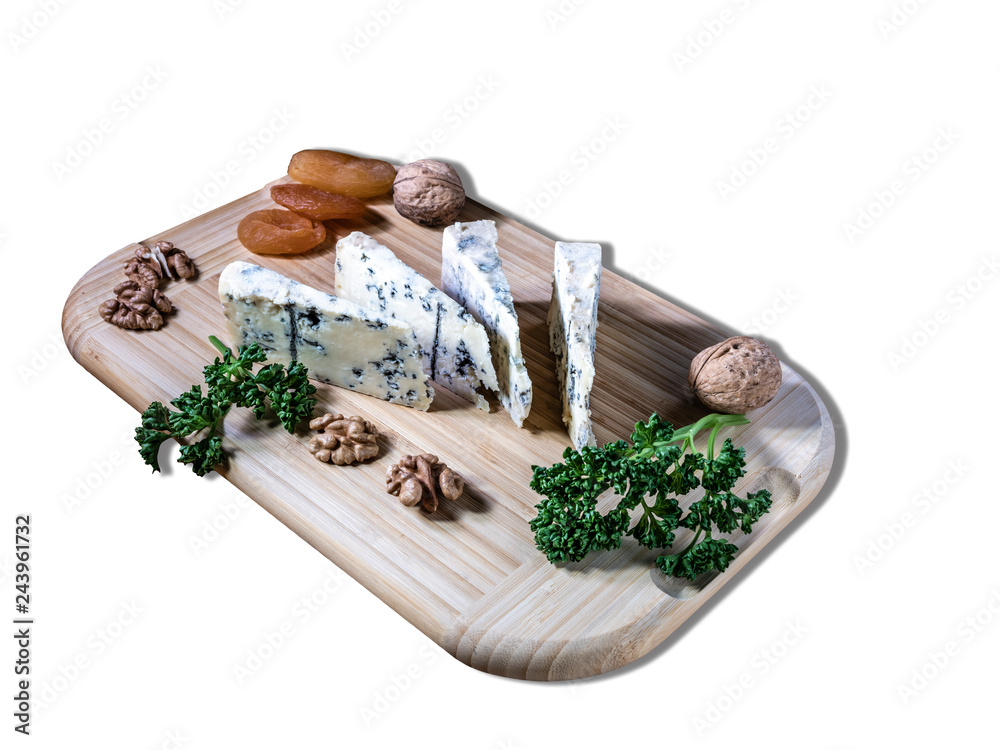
(519, 93)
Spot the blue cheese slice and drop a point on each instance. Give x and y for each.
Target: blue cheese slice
(455, 349)
(471, 273)
(340, 342)
(576, 285)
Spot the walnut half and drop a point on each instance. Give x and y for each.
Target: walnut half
(144, 268)
(174, 260)
(136, 307)
(417, 479)
(343, 440)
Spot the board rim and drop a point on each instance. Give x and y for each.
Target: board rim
(478, 646)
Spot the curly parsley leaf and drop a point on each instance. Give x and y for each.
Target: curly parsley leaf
(655, 528)
(153, 431)
(289, 395)
(570, 530)
(196, 411)
(659, 466)
(711, 554)
(204, 455)
(231, 381)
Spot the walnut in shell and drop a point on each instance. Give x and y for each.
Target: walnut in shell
(738, 375)
(428, 192)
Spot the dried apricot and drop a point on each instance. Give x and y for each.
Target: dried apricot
(274, 231)
(317, 204)
(342, 173)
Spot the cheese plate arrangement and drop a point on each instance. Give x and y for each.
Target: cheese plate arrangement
(542, 466)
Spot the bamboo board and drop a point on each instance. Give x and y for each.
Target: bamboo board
(468, 576)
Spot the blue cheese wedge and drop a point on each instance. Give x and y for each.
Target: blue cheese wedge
(576, 285)
(340, 342)
(455, 349)
(471, 273)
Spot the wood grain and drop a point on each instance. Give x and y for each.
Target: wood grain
(468, 576)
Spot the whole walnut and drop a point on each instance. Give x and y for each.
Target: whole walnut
(428, 192)
(738, 375)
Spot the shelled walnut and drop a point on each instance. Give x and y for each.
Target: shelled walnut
(138, 303)
(136, 307)
(175, 261)
(417, 479)
(144, 268)
(343, 440)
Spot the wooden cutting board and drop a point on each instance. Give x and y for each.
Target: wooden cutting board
(468, 576)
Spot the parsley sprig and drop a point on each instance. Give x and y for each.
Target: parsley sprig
(659, 466)
(231, 381)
